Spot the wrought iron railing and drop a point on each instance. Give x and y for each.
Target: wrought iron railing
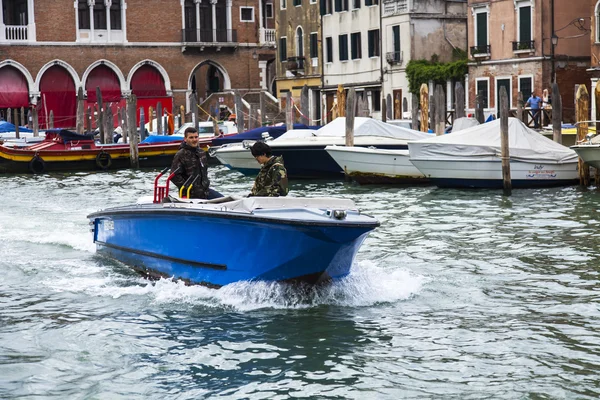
(527, 45)
(209, 35)
(480, 50)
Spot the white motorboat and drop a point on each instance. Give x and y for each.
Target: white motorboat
(304, 155)
(472, 158)
(589, 151)
(371, 165)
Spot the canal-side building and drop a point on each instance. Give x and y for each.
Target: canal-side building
(298, 30)
(352, 52)
(419, 30)
(158, 50)
(524, 45)
(594, 70)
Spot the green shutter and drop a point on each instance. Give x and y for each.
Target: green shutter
(525, 24)
(482, 35)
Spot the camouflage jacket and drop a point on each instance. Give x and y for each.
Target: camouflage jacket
(272, 179)
(191, 162)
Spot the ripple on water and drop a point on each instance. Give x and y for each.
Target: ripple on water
(459, 294)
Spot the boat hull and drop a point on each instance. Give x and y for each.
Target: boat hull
(215, 250)
(366, 165)
(301, 161)
(488, 173)
(32, 161)
(589, 153)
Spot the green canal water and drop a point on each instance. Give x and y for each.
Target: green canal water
(460, 294)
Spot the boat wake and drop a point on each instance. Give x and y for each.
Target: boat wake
(367, 284)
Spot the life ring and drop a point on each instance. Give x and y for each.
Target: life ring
(103, 160)
(37, 165)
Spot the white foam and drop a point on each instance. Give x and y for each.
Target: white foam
(368, 284)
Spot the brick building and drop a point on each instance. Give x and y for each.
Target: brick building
(523, 45)
(160, 50)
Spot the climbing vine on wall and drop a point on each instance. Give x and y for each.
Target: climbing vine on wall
(423, 71)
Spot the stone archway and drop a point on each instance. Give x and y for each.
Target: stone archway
(208, 77)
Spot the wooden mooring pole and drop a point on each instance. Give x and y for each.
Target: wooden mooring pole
(520, 106)
(582, 109)
(556, 114)
(16, 119)
(79, 127)
(459, 105)
(133, 131)
(350, 112)
(415, 112)
(100, 123)
(424, 92)
(506, 181)
(289, 112)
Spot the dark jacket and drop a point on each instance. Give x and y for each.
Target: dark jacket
(272, 179)
(191, 162)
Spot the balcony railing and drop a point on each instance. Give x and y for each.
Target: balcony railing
(16, 33)
(394, 57)
(524, 46)
(267, 36)
(392, 7)
(295, 63)
(481, 50)
(209, 35)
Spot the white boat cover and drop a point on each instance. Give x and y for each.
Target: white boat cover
(298, 133)
(483, 141)
(369, 127)
(463, 123)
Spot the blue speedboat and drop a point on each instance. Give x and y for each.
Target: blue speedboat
(217, 242)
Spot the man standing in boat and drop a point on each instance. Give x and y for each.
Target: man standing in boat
(191, 168)
(272, 178)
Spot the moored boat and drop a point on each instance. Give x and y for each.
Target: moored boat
(471, 158)
(63, 150)
(305, 156)
(276, 238)
(371, 165)
(589, 153)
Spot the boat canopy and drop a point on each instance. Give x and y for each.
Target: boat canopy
(256, 134)
(369, 127)
(7, 127)
(483, 141)
(463, 123)
(163, 139)
(67, 136)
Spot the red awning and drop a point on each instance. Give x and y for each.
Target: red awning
(147, 82)
(58, 95)
(13, 88)
(108, 82)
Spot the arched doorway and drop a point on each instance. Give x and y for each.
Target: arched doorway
(106, 79)
(148, 85)
(57, 95)
(207, 79)
(14, 94)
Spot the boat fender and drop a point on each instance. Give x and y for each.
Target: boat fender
(103, 160)
(37, 165)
